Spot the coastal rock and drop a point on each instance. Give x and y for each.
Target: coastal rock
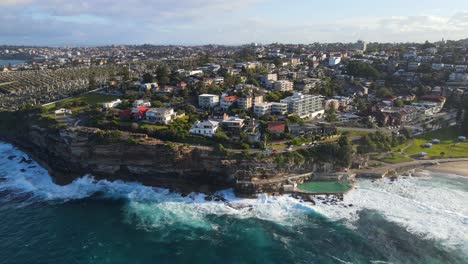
(71, 152)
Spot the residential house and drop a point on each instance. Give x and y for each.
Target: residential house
(413, 66)
(233, 124)
(228, 101)
(148, 86)
(163, 89)
(206, 128)
(181, 85)
(268, 79)
(277, 127)
(320, 129)
(139, 112)
(63, 111)
(160, 115)
(144, 103)
(112, 104)
(438, 66)
(333, 61)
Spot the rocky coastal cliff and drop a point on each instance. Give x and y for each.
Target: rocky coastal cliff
(69, 153)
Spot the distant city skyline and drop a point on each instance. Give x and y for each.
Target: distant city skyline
(227, 22)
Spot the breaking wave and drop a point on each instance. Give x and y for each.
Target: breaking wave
(149, 206)
(430, 206)
(434, 206)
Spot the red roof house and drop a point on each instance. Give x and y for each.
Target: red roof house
(139, 112)
(277, 127)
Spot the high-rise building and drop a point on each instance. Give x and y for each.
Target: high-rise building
(361, 45)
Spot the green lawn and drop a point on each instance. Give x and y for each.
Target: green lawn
(353, 133)
(154, 127)
(326, 186)
(396, 158)
(448, 144)
(278, 146)
(92, 99)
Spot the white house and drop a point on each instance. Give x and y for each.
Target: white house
(138, 103)
(148, 86)
(333, 61)
(111, 104)
(208, 100)
(160, 115)
(438, 66)
(63, 111)
(206, 128)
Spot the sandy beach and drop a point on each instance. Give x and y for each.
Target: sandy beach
(458, 168)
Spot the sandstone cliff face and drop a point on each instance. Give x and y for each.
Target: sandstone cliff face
(71, 153)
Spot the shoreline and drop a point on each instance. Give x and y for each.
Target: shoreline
(459, 168)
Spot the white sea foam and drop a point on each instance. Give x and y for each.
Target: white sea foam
(150, 207)
(433, 207)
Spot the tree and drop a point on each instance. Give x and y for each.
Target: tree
(361, 104)
(345, 151)
(162, 73)
(125, 73)
(330, 115)
(398, 103)
(148, 78)
(295, 119)
(246, 54)
(92, 80)
(343, 141)
(384, 92)
(361, 69)
(219, 149)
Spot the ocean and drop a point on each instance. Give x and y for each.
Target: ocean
(12, 62)
(409, 220)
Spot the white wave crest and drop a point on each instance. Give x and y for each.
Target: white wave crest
(149, 206)
(433, 207)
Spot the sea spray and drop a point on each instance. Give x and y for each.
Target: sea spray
(434, 207)
(431, 207)
(167, 207)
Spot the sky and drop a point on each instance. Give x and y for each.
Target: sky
(230, 22)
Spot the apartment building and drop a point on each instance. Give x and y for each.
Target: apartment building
(283, 86)
(305, 105)
(208, 100)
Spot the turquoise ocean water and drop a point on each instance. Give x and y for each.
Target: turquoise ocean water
(12, 62)
(411, 220)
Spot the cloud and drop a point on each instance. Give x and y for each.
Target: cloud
(134, 9)
(93, 22)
